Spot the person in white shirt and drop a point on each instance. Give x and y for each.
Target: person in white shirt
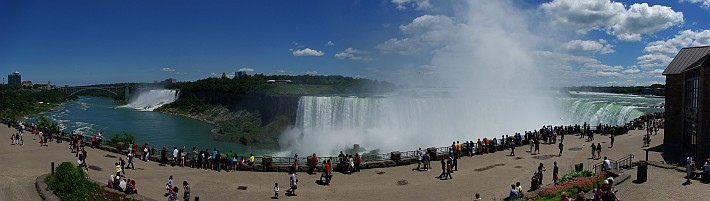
(276, 190)
(607, 164)
(706, 171)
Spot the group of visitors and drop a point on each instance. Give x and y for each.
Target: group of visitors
(122, 184)
(202, 159)
(173, 191)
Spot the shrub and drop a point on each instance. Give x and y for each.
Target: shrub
(70, 183)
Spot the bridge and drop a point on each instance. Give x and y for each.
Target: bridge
(113, 89)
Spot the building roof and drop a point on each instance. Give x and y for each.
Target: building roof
(687, 58)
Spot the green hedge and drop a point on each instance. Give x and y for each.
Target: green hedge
(70, 183)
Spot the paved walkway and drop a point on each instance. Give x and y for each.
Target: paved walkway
(490, 175)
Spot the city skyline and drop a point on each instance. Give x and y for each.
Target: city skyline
(593, 42)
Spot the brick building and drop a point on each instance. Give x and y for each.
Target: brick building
(688, 102)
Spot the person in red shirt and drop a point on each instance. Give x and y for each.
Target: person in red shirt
(93, 141)
(357, 162)
(313, 164)
(328, 173)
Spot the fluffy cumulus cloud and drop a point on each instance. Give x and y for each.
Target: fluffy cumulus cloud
(329, 43)
(424, 32)
(660, 53)
(246, 69)
(167, 69)
(307, 52)
(353, 54)
(705, 3)
(601, 46)
(412, 4)
(612, 17)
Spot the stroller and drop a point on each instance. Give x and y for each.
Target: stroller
(535, 182)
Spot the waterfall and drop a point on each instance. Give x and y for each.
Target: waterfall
(328, 124)
(596, 112)
(149, 100)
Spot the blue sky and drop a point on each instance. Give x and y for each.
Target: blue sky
(74, 42)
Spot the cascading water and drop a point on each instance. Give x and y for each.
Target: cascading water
(150, 100)
(332, 123)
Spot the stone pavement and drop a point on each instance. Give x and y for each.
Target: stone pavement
(490, 175)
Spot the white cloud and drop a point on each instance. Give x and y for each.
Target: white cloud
(601, 46)
(580, 67)
(329, 43)
(705, 3)
(631, 71)
(246, 69)
(660, 53)
(425, 32)
(310, 72)
(166, 69)
(353, 54)
(612, 17)
(307, 52)
(415, 4)
(280, 71)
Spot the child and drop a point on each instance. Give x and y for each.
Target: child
(276, 190)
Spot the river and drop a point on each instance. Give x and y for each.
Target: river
(89, 115)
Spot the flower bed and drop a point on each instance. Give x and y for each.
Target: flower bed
(571, 186)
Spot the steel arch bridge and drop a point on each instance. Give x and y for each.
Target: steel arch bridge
(115, 89)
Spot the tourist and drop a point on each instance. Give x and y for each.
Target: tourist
(706, 171)
(358, 161)
(235, 161)
(519, 187)
(689, 164)
(449, 167)
(276, 190)
(599, 150)
(513, 193)
(146, 152)
(351, 164)
(175, 156)
(228, 159)
(251, 160)
(130, 161)
(341, 162)
(312, 164)
(172, 194)
(607, 164)
(93, 141)
(555, 173)
(185, 191)
(455, 164)
(540, 169)
(511, 144)
(294, 184)
(561, 146)
(123, 165)
(164, 156)
(419, 158)
(329, 172)
(564, 197)
(193, 161)
(537, 146)
(594, 151)
(118, 169)
(612, 141)
(218, 162)
(425, 160)
(169, 185)
(182, 155)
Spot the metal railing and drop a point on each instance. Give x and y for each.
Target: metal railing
(625, 162)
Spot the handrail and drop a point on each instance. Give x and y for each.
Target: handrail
(625, 162)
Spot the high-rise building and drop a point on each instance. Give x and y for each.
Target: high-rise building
(14, 79)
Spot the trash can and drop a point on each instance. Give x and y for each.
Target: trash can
(642, 172)
(579, 167)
